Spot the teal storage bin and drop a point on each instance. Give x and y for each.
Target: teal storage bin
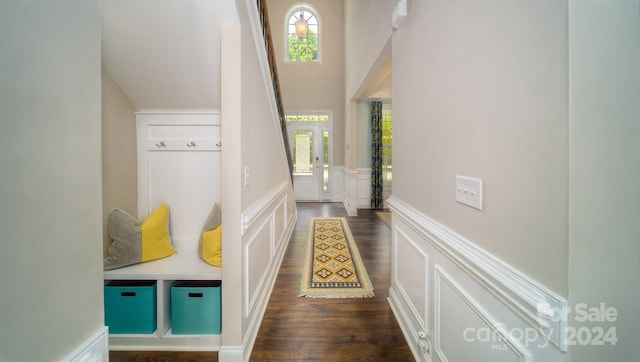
(196, 307)
(130, 306)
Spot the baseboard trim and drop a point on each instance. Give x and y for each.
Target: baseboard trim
(94, 349)
(231, 354)
(407, 331)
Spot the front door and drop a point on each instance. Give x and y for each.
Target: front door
(310, 153)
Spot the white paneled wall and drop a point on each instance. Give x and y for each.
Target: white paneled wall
(336, 183)
(179, 164)
(350, 192)
(267, 227)
(471, 305)
(363, 193)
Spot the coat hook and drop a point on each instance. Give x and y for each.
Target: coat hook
(191, 144)
(161, 144)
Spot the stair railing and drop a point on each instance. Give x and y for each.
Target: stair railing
(268, 43)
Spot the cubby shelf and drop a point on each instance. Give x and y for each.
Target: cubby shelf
(182, 266)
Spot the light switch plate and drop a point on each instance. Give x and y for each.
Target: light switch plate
(469, 191)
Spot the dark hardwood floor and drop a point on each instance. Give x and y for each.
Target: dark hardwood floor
(297, 329)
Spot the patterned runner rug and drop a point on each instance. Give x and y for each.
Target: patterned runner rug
(332, 266)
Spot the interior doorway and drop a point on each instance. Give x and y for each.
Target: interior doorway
(311, 150)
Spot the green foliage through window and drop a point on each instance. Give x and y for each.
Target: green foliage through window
(307, 117)
(387, 141)
(303, 49)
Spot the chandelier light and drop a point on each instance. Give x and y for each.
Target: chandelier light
(302, 26)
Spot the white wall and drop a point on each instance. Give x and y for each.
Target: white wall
(262, 144)
(362, 183)
(363, 134)
(367, 29)
(540, 100)
(314, 86)
(50, 147)
(367, 51)
(604, 254)
(480, 90)
(119, 163)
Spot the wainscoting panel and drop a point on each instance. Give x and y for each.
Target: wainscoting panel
(363, 191)
(267, 226)
(258, 253)
(411, 275)
(350, 191)
(471, 305)
(279, 224)
(466, 324)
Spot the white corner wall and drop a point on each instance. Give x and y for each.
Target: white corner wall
(260, 213)
(367, 30)
(604, 255)
(51, 214)
(231, 194)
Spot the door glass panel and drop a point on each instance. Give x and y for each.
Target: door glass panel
(307, 117)
(302, 153)
(325, 162)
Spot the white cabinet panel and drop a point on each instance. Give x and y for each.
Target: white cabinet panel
(179, 164)
(188, 182)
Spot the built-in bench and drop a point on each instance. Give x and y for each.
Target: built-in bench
(185, 265)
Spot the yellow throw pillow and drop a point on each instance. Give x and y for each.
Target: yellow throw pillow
(134, 242)
(212, 246)
(210, 250)
(156, 242)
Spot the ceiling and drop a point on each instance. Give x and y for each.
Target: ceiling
(165, 54)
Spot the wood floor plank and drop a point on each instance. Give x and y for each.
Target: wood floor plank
(296, 328)
(306, 329)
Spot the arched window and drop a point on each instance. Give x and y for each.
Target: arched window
(302, 34)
